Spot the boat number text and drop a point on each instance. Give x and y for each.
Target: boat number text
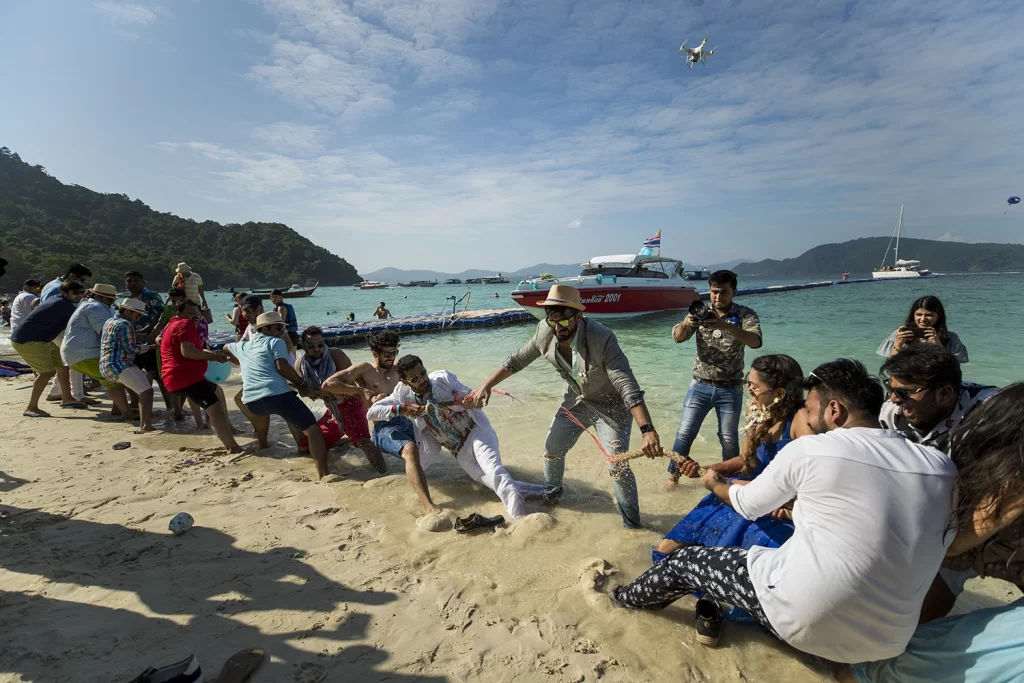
(599, 298)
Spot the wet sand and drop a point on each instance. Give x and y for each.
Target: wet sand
(335, 580)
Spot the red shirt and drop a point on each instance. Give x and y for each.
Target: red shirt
(177, 371)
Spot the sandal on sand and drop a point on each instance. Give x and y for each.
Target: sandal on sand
(477, 521)
(77, 405)
(240, 666)
(185, 671)
(39, 414)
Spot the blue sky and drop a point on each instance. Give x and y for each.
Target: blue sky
(450, 134)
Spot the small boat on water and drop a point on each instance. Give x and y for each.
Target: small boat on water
(618, 286)
(418, 283)
(453, 281)
(488, 280)
(697, 274)
(901, 268)
(372, 284)
(293, 292)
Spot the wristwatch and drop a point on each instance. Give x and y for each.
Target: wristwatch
(647, 428)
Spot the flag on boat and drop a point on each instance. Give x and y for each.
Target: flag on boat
(653, 241)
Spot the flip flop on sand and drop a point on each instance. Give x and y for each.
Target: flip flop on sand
(477, 521)
(41, 413)
(77, 405)
(240, 666)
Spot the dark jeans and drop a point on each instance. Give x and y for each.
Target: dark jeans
(701, 397)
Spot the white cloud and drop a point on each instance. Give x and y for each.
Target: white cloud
(129, 13)
(293, 138)
(950, 237)
(575, 224)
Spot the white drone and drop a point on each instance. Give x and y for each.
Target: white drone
(698, 54)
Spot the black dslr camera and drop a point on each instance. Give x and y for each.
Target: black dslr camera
(700, 311)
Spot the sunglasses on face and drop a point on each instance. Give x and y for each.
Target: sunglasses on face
(317, 345)
(387, 353)
(563, 323)
(904, 395)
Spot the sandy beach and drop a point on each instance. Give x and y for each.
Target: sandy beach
(333, 579)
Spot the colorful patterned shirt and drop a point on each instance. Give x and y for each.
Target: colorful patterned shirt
(451, 428)
(154, 307)
(117, 348)
(719, 354)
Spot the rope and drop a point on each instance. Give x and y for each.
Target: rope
(672, 455)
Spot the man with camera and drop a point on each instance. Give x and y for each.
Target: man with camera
(722, 331)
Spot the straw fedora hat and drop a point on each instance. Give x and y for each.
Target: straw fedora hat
(183, 268)
(132, 305)
(108, 291)
(271, 318)
(563, 295)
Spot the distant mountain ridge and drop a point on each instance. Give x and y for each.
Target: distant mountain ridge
(46, 225)
(865, 254)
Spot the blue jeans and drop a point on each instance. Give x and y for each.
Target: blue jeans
(700, 399)
(562, 436)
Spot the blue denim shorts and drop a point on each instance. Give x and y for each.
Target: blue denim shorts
(391, 435)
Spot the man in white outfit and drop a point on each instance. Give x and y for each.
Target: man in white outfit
(444, 416)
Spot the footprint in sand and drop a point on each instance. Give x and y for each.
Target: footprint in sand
(594, 574)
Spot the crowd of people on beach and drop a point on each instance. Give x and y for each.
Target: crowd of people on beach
(845, 520)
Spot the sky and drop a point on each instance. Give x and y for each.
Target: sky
(453, 134)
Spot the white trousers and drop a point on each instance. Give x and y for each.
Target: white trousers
(479, 458)
(77, 379)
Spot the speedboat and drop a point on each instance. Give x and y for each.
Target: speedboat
(371, 284)
(619, 286)
(293, 292)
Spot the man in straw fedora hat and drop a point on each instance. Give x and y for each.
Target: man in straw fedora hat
(266, 371)
(80, 348)
(600, 392)
(118, 350)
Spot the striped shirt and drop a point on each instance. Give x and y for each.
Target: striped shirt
(117, 348)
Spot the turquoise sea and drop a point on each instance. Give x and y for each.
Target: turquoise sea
(813, 326)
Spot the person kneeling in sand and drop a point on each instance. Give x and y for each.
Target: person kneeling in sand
(444, 416)
(266, 371)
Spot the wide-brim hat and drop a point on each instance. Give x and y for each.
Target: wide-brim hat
(563, 295)
(183, 268)
(109, 291)
(271, 318)
(132, 305)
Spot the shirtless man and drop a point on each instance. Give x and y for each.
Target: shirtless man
(374, 382)
(382, 313)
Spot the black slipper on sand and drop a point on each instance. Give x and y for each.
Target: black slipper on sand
(240, 666)
(121, 445)
(477, 521)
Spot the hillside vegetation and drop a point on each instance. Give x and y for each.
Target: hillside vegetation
(45, 225)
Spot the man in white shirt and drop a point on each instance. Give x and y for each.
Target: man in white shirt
(871, 516)
(22, 304)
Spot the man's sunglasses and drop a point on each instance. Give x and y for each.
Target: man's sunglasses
(385, 352)
(564, 323)
(318, 345)
(903, 395)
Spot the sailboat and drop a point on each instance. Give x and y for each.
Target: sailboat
(901, 268)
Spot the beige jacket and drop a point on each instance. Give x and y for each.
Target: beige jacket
(606, 383)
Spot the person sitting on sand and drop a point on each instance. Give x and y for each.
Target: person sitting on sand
(925, 324)
(80, 348)
(988, 644)
(118, 350)
(445, 416)
(382, 313)
(183, 364)
(871, 511)
(317, 365)
(394, 436)
(34, 340)
(775, 388)
(266, 372)
(600, 390)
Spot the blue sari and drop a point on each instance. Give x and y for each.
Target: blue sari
(712, 523)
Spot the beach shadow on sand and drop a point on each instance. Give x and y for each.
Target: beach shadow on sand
(9, 482)
(202, 590)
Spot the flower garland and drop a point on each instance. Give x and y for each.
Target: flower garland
(758, 414)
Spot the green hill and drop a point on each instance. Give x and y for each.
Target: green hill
(865, 254)
(45, 225)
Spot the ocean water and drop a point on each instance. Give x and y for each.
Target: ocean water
(813, 326)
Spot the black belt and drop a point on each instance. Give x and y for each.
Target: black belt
(720, 383)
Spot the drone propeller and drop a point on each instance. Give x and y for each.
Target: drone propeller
(683, 45)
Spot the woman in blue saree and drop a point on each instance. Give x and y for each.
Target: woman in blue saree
(776, 396)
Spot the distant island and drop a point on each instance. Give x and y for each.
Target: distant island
(45, 225)
(865, 254)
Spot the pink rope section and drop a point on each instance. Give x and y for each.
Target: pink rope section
(589, 433)
(505, 393)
